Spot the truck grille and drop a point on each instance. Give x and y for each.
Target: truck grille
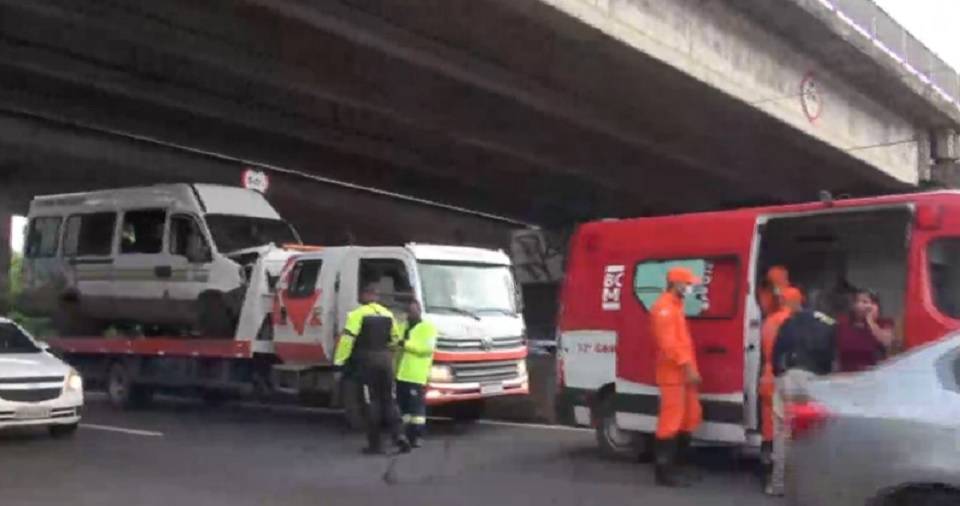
(497, 343)
(483, 372)
(33, 395)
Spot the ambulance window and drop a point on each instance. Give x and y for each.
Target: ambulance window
(944, 262)
(43, 237)
(142, 231)
(715, 298)
(390, 277)
(303, 278)
(89, 234)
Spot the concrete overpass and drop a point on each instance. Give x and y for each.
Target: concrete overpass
(539, 111)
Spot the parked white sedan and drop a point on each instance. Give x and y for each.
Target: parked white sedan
(36, 388)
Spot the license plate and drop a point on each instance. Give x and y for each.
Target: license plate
(32, 413)
(491, 389)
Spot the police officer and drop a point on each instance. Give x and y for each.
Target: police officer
(805, 348)
(366, 347)
(677, 377)
(416, 357)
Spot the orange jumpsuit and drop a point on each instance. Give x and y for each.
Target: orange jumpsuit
(778, 278)
(771, 326)
(680, 409)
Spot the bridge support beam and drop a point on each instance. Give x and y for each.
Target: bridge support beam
(945, 155)
(5, 257)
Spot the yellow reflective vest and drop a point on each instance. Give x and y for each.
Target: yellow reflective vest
(353, 326)
(416, 352)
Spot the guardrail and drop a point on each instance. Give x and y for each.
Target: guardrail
(888, 35)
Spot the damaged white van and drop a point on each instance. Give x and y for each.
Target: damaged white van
(173, 259)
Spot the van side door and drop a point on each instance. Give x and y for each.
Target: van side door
(142, 270)
(88, 250)
(190, 258)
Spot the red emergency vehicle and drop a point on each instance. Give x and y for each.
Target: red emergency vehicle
(906, 248)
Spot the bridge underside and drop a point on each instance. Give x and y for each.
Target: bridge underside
(503, 106)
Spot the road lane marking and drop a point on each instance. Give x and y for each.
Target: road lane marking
(122, 430)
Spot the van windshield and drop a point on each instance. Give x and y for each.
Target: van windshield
(471, 289)
(234, 233)
(13, 340)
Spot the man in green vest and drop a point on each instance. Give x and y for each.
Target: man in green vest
(369, 337)
(416, 358)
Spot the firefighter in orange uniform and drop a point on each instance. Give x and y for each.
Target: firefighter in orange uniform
(789, 300)
(778, 278)
(677, 377)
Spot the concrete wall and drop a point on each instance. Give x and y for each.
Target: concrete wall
(718, 45)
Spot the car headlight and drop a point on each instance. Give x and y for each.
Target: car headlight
(74, 381)
(441, 374)
(522, 368)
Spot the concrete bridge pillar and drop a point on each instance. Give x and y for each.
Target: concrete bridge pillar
(945, 155)
(5, 255)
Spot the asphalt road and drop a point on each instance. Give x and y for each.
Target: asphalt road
(187, 454)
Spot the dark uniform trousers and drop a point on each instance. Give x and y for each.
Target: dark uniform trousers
(375, 371)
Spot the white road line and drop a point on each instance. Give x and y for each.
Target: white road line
(122, 430)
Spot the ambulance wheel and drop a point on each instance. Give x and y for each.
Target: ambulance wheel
(350, 401)
(122, 392)
(215, 318)
(613, 441)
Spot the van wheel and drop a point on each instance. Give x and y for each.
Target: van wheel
(613, 441)
(63, 431)
(352, 407)
(215, 317)
(69, 321)
(122, 392)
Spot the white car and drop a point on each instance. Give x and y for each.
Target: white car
(36, 388)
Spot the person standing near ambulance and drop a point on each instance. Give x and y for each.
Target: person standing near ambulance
(789, 301)
(369, 337)
(416, 357)
(677, 377)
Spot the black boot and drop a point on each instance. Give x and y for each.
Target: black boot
(413, 435)
(374, 443)
(766, 459)
(402, 443)
(665, 472)
(685, 457)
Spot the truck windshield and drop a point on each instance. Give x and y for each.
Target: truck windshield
(234, 233)
(468, 289)
(13, 340)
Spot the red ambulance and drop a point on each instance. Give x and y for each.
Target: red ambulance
(905, 247)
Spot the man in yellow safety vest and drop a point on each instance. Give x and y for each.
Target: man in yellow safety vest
(419, 338)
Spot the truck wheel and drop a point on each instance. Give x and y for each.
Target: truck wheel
(613, 441)
(122, 392)
(468, 411)
(352, 407)
(63, 431)
(215, 317)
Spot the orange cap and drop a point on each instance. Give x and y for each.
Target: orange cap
(791, 295)
(778, 276)
(682, 275)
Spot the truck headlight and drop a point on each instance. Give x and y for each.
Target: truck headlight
(441, 374)
(522, 368)
(74, 381)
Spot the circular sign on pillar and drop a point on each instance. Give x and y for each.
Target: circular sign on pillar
(256, 180)
(810, 97)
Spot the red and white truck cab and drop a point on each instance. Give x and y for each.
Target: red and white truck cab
(906, 248)
(468, 293)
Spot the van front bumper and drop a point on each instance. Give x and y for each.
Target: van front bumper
(444, 393)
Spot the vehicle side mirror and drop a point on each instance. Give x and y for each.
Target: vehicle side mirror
(44, 346)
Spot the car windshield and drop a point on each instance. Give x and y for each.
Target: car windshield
(234, 233)
(13, 340)
(470, 289)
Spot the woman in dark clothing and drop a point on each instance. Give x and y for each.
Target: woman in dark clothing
(864, 338)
